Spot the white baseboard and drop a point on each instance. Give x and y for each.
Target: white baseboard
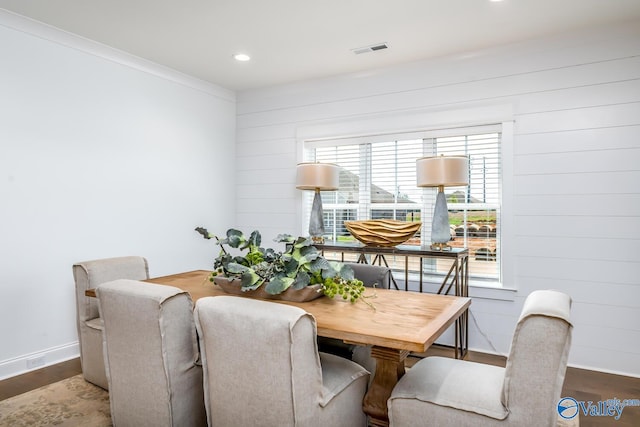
(31, 362)
(570, 365)
(606, 371)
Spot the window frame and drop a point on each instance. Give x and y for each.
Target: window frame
(438, 123)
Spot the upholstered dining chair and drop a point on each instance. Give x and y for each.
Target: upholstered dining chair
(371, 276)
(88, 275)
(524, 393)
(262, 368)
(151, 355)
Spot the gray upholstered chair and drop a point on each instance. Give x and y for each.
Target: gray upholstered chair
(151, 355)
(88, 275)
(525, 393)
(262, 368)
(371, 276)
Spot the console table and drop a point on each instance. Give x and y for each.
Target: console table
(456, 279)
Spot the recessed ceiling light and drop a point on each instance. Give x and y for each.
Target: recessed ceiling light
(241, 57)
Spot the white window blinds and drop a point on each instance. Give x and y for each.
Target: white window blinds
(377, 180)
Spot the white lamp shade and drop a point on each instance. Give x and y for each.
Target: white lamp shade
(447, 171)
(321, 176)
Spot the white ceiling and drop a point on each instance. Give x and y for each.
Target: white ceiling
(292, 40)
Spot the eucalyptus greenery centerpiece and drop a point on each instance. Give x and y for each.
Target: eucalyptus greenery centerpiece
(299, 266)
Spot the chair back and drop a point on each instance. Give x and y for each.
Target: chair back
(537, 359)
(151, 355)
(261, 363)
(90, 274)
(372, 275)
(87, 275)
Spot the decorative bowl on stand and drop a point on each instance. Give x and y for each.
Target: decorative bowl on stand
(382, 232)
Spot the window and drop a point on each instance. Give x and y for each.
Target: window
(378, 180)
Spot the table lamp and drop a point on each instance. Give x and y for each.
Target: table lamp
(317, 177)
(441, 171)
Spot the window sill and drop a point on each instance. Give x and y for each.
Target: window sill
(477, 288)
(495, 292)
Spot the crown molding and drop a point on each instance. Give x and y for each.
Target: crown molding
(55, 35)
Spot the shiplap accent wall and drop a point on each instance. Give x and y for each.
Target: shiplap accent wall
(574, 169)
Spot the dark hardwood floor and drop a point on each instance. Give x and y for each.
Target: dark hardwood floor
(581, 384)
(31, 380)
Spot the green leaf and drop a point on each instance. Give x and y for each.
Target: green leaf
(204, 232)
(250, 280)
(241, 260)
(270, 255)
(302, 242)
(252, 242)
(284, 238)
(305, 255)
(278, 284)
(255, 239)
(302, 280)
(291, 267)
(318, 264)
(337, 269)
(235, 268)
(309, 253)
(222, 260)
(234, 238)
(345, 271)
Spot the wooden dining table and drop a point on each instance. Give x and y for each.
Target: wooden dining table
(398, 323)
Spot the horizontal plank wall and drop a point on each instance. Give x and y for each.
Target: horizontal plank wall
(575, 162)
(101, 154)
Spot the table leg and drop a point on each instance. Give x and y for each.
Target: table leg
(389, 369)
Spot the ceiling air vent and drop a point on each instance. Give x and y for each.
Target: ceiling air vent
(372, 48)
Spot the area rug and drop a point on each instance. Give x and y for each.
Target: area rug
(67, 403)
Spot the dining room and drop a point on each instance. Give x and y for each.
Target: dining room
(105, 153)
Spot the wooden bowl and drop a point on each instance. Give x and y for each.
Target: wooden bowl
(308, 293)
(382, 232)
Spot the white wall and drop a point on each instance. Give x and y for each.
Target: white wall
(573, 168)
(101, 154)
